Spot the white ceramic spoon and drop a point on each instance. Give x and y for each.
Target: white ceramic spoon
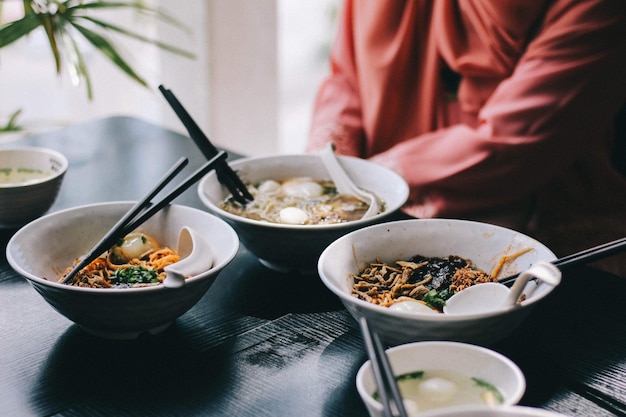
(196, 257)
(490, 296)
(343, 182)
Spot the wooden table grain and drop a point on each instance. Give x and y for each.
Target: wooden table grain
(259, 343)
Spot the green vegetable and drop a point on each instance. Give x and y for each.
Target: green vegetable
(489, 387)
(134, 275)
(410, 375)
(437, 299)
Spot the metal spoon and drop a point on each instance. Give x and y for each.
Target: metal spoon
(491, 296)
(344, 184)
(196, 257)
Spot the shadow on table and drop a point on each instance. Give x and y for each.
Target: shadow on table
(255, 290)
(164, 373)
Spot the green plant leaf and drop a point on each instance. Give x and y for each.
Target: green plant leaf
(18, 29)
(137, 5)
(139, 37)
(77, 62)
(106, 48)
(49, 26)
(12, 125)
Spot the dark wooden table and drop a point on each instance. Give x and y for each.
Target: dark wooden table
(259, 343)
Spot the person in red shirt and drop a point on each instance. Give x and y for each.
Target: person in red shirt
(497, 111)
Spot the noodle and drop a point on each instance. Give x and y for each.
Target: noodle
(428, 280)
(315, 201)
(113, 269)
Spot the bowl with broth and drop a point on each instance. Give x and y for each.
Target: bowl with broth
(30, 180)
(440, 375)
(133, 301)
(399, 274)
(297, 211)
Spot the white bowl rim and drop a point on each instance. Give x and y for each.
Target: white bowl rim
(14, 264)
(403, 198)
(517, 372)
(344, 295)
(37, 149)
(509, 410)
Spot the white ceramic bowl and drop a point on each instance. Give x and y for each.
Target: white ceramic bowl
(30, 179)
(297, 247)
(42, 248)
(469, 360)
(482, 243)
(512, 411)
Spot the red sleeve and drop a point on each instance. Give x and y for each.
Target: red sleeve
(556, 108)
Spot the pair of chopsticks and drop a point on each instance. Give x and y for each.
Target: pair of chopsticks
(146, 208)
(383, 374)
(225, 174)
(579, 258)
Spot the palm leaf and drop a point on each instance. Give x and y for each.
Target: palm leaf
(105, 47)
(139, 37)
(48, 25)
(138, 5)
(18, 29)
(77, 62)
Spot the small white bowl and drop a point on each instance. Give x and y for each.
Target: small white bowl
(466, 359)
(287, 247)
(482, 243)
(42, 248)
(30, 179)
(512, 411)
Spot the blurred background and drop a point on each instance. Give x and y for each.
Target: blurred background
(250, 87)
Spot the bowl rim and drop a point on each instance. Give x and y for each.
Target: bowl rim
(345, 296)
(41, 150)
(215, 208)
(49, 283)
(519, 376)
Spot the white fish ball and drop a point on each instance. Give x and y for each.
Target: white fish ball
(302, 188)
(438, 389)
(269, 187)
(412, 307)
(293, 215)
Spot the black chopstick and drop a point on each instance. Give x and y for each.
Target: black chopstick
(579, 258)
(225, 174)
(383, 374)
(145, 208)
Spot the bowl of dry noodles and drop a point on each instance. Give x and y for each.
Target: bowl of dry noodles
(297, 210)
(399, 274)
(120, 294)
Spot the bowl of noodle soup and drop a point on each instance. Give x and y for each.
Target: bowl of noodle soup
(42, 251)
(494, 250)
(294, 245)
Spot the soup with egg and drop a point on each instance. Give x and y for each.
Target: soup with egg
(298, 201)
(431, 389)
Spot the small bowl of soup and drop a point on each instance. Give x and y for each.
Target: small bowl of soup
(439, 375)
(297, 210)
(30, 180)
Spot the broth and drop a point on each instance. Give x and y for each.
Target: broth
(298, 201)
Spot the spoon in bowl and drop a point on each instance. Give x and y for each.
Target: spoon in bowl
(343, 182)
(490, 296)
(196, 257)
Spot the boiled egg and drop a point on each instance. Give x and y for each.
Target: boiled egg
(293, 215)
(302, 188)
(134, 245)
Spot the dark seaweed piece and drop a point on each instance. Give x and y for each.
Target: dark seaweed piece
(440, 269)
